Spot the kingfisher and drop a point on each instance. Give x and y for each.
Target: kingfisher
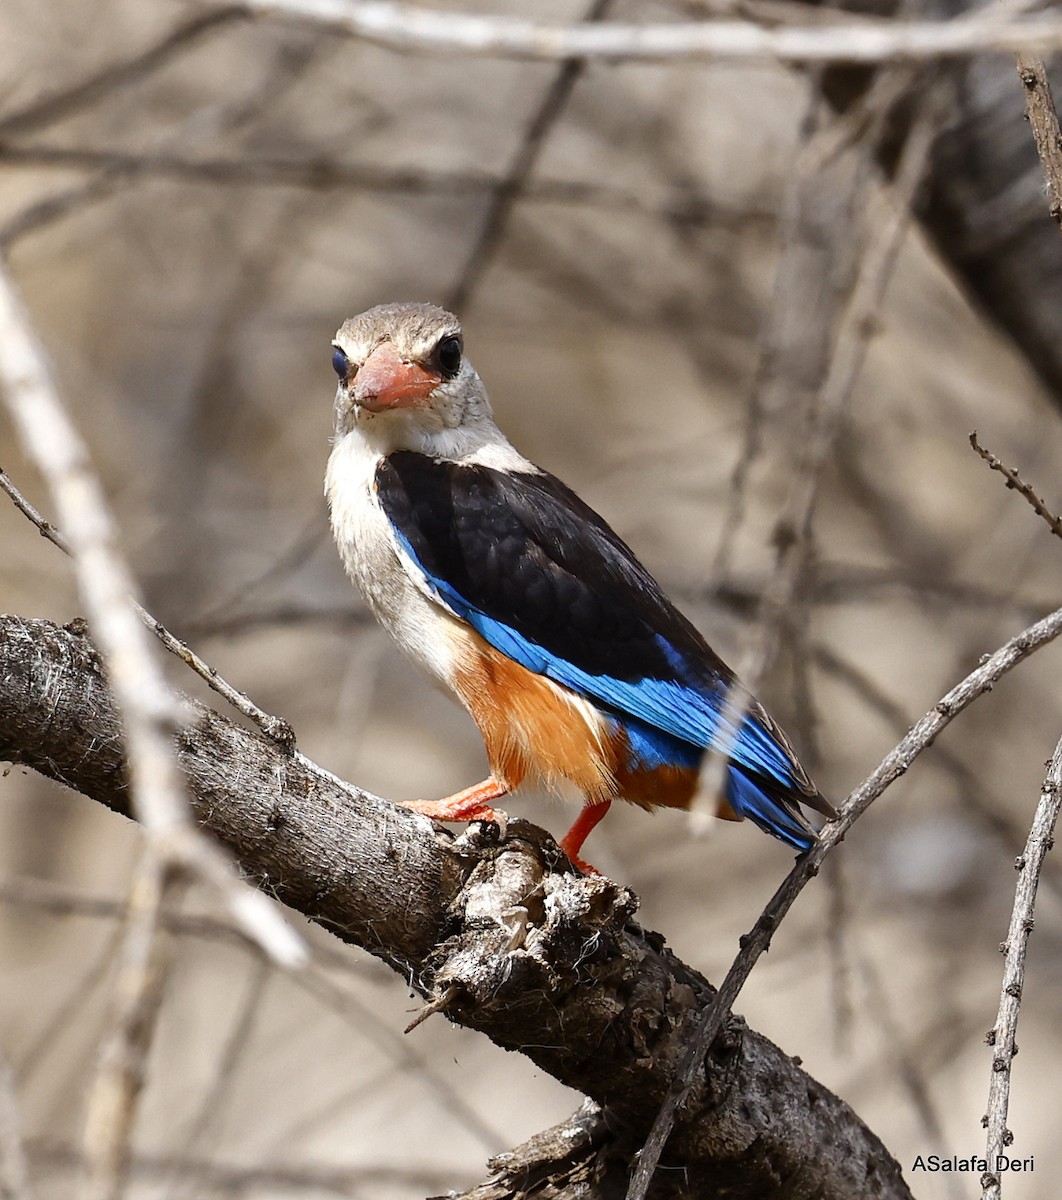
(517, 597)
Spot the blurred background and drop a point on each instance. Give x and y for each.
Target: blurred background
(705, 295)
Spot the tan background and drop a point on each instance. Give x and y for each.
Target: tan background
(189, 323)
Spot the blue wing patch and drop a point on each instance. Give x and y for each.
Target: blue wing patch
(668, 721)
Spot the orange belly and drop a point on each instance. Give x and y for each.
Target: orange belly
(535, 728)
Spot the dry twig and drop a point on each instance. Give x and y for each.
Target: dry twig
(113, 1094)
(151, 712)
(274, 727)
(970, 786)
(753, 944)
(1015, 481)
(547, 114)
(1002, 1036)
(1043, 120)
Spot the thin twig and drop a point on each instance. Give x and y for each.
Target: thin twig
(1043, 120)
(545, 117)
(274, 727)
(1015, 481)
(150, 710)
(753, 944)
(793, 529)
(405, 27)
(971, 788)
(1002, 1036)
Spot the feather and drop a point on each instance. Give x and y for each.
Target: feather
(543, 580)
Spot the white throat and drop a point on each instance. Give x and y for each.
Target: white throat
(476, 441)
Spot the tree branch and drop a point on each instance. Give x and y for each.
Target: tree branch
(540, 960)
(406, 27)
(1043, 120)
(712, 1021)
(1003, 1034)
(1015, 481)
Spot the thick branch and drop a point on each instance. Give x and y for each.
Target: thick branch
(540, 960)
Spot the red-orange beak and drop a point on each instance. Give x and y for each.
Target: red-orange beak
(386, 380)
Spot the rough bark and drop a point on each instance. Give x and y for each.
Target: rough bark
(538, 958)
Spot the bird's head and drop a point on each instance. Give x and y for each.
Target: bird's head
(403, 376)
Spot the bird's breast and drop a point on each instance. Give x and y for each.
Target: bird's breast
(366, 542)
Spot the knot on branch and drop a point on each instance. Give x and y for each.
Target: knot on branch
(518, 923)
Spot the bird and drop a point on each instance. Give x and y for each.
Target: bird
(517, 597)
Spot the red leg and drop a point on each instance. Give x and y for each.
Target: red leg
(572, 842)
(470, 804)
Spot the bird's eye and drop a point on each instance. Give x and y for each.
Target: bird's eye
(448, 356)
(340, 364)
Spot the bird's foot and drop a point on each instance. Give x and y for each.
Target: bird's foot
(581, 865)
(572, 842)
(470, 804)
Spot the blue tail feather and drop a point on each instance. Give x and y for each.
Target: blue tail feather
(749, 799)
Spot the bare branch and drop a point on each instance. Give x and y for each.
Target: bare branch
(113, 1095)
(1002, 1036)
(405, 27)
(807, 866)
(584, 994)
(506, 194)
(151, 712)
(275, 727)
(1043, 120)
(971, 789)
(1015, 481)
